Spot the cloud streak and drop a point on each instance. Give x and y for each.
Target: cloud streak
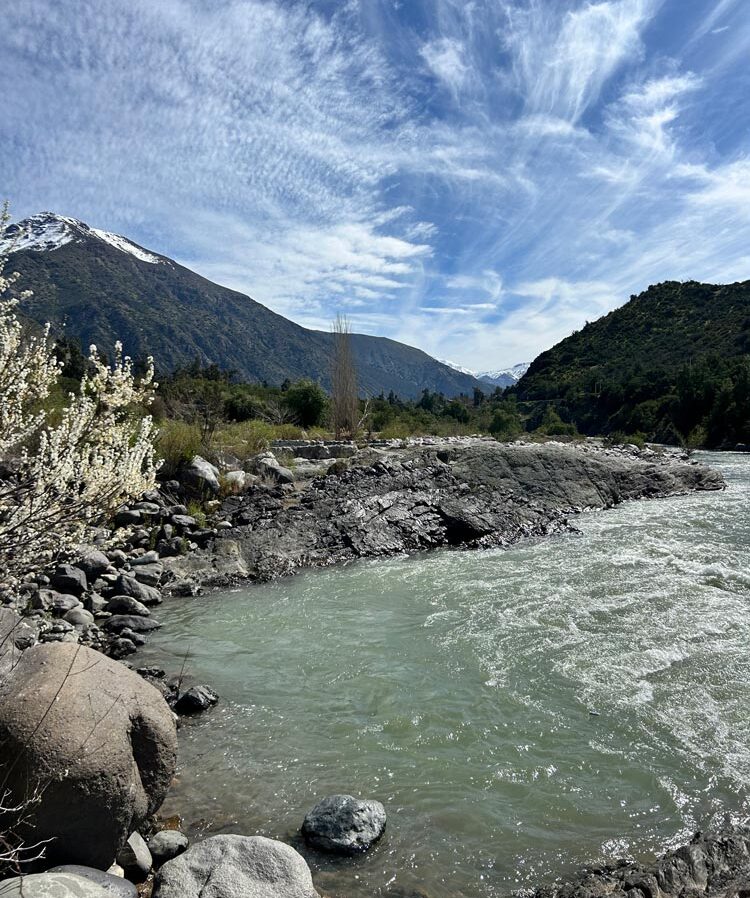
(474, 178)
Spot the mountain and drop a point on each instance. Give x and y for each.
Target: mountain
(102, 287)
(505, 377)
(672, 362)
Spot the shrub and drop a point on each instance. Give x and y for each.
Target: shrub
(308, 402)
(176, 444)
(70, 473)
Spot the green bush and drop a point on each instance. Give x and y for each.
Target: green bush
(308, 402)
(177, 443)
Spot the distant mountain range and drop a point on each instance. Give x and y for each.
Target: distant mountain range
(504, 377)
(101, 287)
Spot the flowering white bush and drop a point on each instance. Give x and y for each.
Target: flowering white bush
(61, 480)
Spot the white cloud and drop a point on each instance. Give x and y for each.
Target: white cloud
(563, 58)
(446, 59)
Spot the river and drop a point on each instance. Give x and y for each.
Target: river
(519, 713)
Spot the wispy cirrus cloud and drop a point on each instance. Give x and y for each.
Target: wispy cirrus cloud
(476, 178)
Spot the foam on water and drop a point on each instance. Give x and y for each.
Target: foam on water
(519, 712)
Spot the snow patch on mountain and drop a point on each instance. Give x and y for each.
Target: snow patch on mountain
(47, 231)
(456, 367)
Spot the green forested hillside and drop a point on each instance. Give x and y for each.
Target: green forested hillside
(672, 364)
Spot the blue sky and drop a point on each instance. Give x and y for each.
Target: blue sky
(475, 178)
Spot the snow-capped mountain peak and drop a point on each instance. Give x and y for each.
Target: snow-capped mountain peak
(48, 231)
(515, 371)
(503, 377)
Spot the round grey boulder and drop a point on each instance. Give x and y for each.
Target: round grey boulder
(114, 886)
(344, 824)
(99, 741)
(236, 867)
(167, 844)
(58, 884)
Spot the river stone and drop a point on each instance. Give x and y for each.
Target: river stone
(119, 622)
(149, 557)
(69, 579)
(127, 605)
(79, 617)
(114, 886)
(55, 602)
(127, 517)
(135, 858)
(93, 563)
(344, 824)
(122, 647)
(167, 844)
(236, 867)
(150, 574)
(100, 740)
(56, 885)
(127, 585)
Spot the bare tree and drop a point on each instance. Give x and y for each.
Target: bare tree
(344, 390)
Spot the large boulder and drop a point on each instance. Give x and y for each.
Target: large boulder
(114, 886)
(202, 476)
(65, 883)
(99, 742)
(236, 867)
(344, 824)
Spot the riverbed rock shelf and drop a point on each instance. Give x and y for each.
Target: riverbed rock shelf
(474, 494)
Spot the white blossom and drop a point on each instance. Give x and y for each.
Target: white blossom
(62, 479)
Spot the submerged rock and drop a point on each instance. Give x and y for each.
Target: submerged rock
(344, 824)
(236, 867)
(196, 699)
(99, 742)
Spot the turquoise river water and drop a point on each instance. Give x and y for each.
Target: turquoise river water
(458, 689)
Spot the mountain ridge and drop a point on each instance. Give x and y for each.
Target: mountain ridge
(672, 359)
(101, 287)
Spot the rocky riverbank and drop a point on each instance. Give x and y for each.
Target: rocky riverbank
(470, 494)
(331, 505)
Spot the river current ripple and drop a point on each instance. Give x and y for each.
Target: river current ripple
(520, 713)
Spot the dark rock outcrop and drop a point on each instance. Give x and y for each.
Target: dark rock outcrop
(98, 740)
(711, 864)
(196, 700)
(477, 494)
